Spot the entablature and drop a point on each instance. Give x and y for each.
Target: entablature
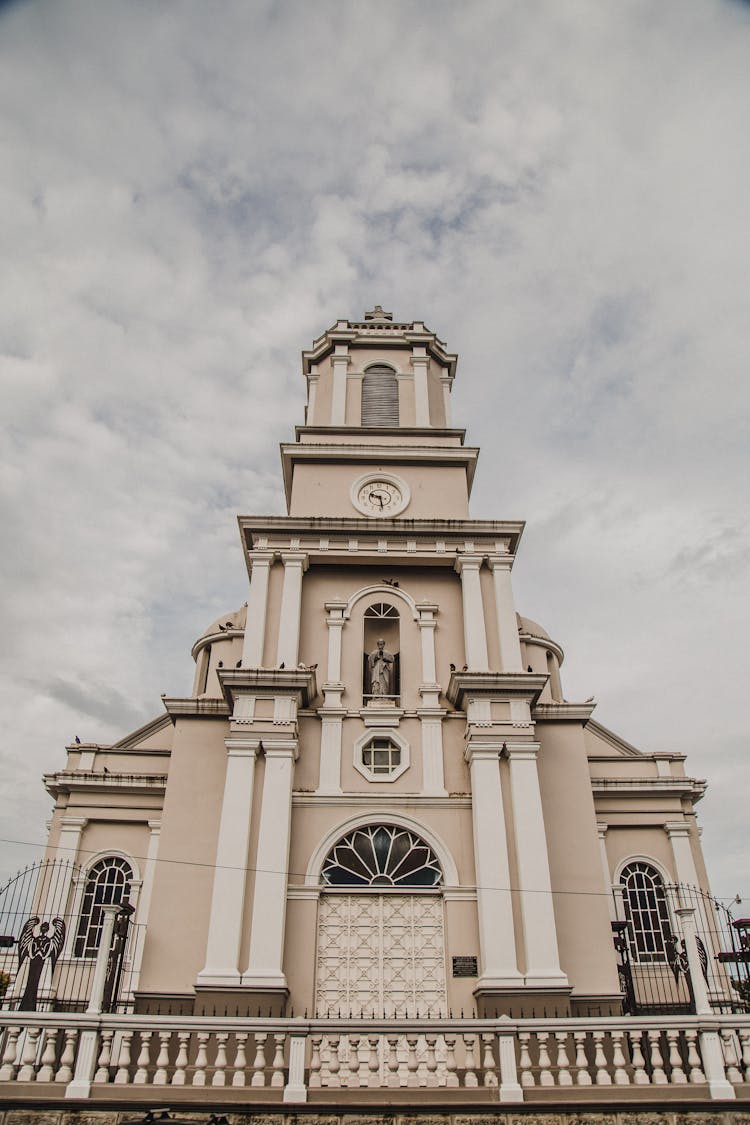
(691, 787)
(464, 686)
(329, 540)
(66, 781)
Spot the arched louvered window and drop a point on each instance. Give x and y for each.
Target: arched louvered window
(380, 396)
(108, 883)
(647, 912)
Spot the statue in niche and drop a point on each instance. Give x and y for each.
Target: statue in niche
(380, 665)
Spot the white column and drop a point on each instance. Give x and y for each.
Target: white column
(295, 564)
(475, 634)
(611, 904)
(684, 863)
(446, 384)
(331, 733)
(68, 844)
(69, 840)
(339, 363)
(497, 942)
(144, 900)
(110, 913)
(335, 622)
(433, 780)
(419, 363)
(532, 860)
(507, 624)
(230, 876)
(257, 602)
(312, 395)
(271, 878)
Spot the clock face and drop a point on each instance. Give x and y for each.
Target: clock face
(380, 496)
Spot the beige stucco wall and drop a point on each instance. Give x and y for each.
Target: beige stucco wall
(323, 488)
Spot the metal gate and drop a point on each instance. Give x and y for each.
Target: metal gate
(39, 968)
(654, 973)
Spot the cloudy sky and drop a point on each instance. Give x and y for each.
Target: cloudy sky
(192, 192)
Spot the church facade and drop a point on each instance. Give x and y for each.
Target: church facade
(377, 777)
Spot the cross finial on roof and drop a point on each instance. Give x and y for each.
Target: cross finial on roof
(378, 314)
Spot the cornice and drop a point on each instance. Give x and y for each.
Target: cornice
(292, 452)
(378, 800)
(66, 781)
(387, 334)
(195, 708)
(496, 684)
(692, 787)
(297, 681)
(563, 712)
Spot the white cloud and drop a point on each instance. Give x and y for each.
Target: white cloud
(559, 191)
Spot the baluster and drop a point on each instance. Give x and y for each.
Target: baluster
(141, 1074)
(524, 1061)
(470, 1062)
(603, 1077)
(412, 1065)
(201, 1059)
(451, 1077)
(220, 1062)
(676, 1073)
(622, 1078)
(696, 1075)
(640, 1078)
(105, 1057)
(373, 1061)
(431, 1060)
(658, 1077)
(180, 1066)
(583, 1078)
(314, 1079)
(122, 1076)
(259, 1062)
(354, 1078)
(564, 1077)
(546, 1077)
(277, 1075)
(162, 1060)
(47, 1069)
(393, 1078)
(28, 1055)
(8, 1069)
(731, 1057)
(334, 1064)
(240, 1061)
(489, 1066)
(745, 1041)
(65, 1073)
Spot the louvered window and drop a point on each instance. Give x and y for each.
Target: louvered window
(380, 397)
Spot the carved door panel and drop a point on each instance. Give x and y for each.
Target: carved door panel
(381, 954)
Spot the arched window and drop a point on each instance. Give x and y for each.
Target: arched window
(108, 883)
(380, 396)
(383, 856)
(647, 912)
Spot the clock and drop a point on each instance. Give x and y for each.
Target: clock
(380, 495)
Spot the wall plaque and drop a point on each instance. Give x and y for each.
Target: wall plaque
(465, 966)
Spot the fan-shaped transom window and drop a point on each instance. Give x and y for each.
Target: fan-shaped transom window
(107, 883)
(646, 910)
(381, 856)
(380, 396)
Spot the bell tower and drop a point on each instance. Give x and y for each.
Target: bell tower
(378, 438)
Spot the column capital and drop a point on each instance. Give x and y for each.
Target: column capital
(677, 828)
(500, 562)
(482, 751)
(276, 748)
(261, 558)
(341, 354)
(79, 822)
(295, 558)
(467, 562)
(519, 751)
(602, 829)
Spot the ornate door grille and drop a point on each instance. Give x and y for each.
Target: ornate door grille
(381, 955)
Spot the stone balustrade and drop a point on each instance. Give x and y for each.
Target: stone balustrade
(575, 1061)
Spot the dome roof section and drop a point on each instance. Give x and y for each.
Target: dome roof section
(526, 625)
(229, 624)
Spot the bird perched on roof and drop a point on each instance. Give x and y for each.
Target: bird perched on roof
(78, 741)
(390, 582)
(452, 667)
(465, 668)
(283, 664)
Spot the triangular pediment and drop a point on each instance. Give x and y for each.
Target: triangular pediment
(603, 742)
(149, 737)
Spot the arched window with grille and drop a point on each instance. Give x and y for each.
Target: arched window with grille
(380, 396)
(646, 911)
(107, 883)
